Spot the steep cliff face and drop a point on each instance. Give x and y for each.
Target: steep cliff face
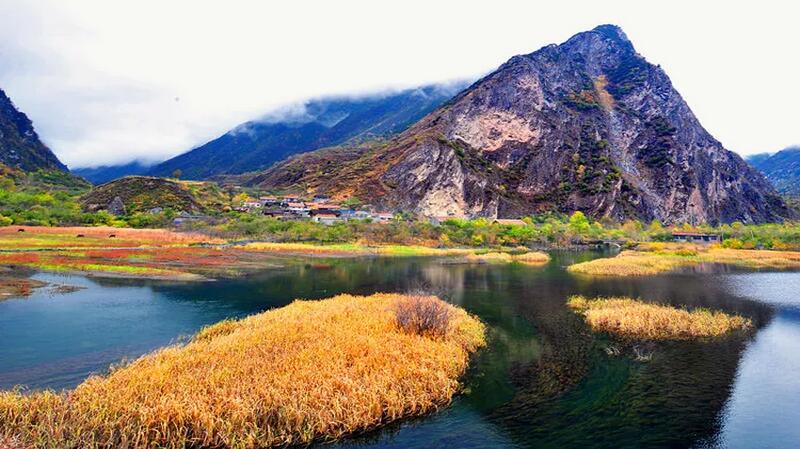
(587, 125)
(20, 146)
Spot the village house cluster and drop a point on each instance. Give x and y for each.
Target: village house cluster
(320, 209)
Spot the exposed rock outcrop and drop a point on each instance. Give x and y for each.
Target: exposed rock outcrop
(587, 125)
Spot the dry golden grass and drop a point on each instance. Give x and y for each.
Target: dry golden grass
(755, 258)
(530, 258)
(352, 249)
(630, 263)
(36, 237)
(655, 258)
(313, 370)
(633, 319)
(494, 257)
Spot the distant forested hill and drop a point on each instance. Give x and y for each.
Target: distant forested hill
(782, 169)
(320, 123)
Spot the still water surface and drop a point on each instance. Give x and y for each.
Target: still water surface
(544, 381)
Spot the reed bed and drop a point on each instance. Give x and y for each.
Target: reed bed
(633, 319)
(532, 258)
(529, 258)
(166, 262)
(35, 237)
(352, 249)
(656, 258)
(755, 258)
(492, 257)
(106, 262)
(310, 371)
(631, 263)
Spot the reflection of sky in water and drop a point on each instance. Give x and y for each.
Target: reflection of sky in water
(765, 404)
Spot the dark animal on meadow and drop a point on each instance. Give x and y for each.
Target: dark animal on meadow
(79, 235)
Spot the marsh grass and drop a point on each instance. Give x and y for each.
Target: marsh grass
(631, 263)
(353, 249)
(637, 320)
(173, 261)
(490, 257)
(528, 258)
(11, 287)
(532, 258)
(656, 258)
(35, 237)
(310, 371)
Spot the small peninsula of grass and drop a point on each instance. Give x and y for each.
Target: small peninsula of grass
(11, 287)
(353, 249)
(633, 319)
(656, 258)
(529, 258)
(310, 371)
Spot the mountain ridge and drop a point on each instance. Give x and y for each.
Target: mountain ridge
(106, 173)
(586, 125)
(20, 146)
(782, 169)
(321, 122)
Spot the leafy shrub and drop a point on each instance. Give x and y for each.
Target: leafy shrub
(732, 244)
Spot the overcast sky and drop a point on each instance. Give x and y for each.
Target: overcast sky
(111, 81)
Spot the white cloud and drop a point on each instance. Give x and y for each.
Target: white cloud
(108, 82)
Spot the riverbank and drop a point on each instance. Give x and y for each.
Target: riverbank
(352, 250)
(17, 287)
(168, 255)
(656, 258)
(310, 371)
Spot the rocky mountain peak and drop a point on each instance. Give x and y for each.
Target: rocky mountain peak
(586, 125)
(613, 32)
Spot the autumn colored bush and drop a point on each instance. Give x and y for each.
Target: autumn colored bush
(423, 315)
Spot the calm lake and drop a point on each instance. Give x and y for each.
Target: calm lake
(544, 381)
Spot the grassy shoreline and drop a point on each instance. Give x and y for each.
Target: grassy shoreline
(167, 255)
(656, 258)
(310, 371)
(352, 249)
